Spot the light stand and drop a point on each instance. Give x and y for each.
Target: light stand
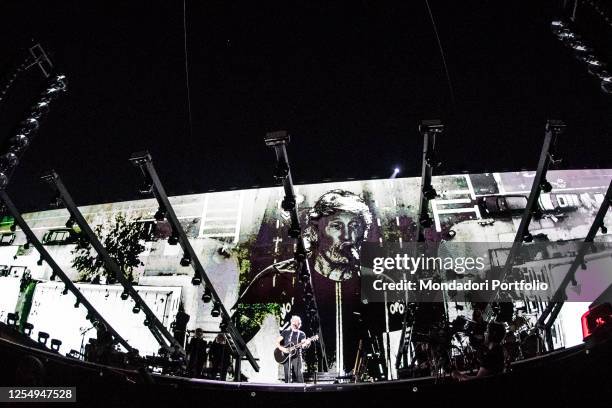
(278, 141)
(144, 162)
(158, 330)
(553, 129)
(549, 315)
(57, 271)
(429, 129)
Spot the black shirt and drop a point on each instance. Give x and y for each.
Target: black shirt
(291, 337)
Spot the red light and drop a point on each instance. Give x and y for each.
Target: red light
(595, 319)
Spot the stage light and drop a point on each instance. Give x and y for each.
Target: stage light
(185, 260)
(557, 23)
(55, 344)
(546, 186)
(136, 309)
(124, 295)
(223, 326)
(39, 262)
(305, 276)
(395, 172)
(288, 204)
(30, 125)
(579, 46)
(527, 237)
(145, 188)
(196, 280)
(605, 87)
(70, 223)
(281, 170)
(426, 222)
(3, 180)
(430, 193)
(604, 229)
(207, 296)
(146, 322)
(13, 227)
(592, 60)
(27, 329)
(53, 276)
(89, 316)
(65, 291)
(43, 337)
(160, 214)
(26, 246)
(20, 141)
(173, 240)
(77, 303)
(8, 160)
(216, 310)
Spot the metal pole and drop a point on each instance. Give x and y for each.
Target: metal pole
(554, 307)
(278, 141)
(553, 129)
(155, 326)
(33, 240)
(144, 161)
(428, 129)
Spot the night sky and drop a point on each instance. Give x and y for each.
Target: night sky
(349, 80)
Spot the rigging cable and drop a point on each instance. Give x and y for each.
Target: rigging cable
(435, 28)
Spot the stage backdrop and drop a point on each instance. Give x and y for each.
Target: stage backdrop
(241, 238)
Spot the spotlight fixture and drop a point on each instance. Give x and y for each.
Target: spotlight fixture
(89, 316)
(70, 223)
(53, 276)
(173, 240)
(604, 229)
(13, 227)
(160, 215)
(124, 295)
(223, 326)
(288, 204)
(305, 276)
(527, 237)
(26, 246)
(77, 303)
(216, 310)
(146, 322)
(19, 141)
(196, 280)
(430, 193)
(281, 170)
(426, 222)
(207, 296)
(185, 260)
(145, 188)
(136, 309)
(39, 262)
(65, 291)
(546, 186)
(3, 180)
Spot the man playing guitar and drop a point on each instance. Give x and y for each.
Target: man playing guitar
(293, 336)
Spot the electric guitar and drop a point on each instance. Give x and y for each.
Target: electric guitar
(281, 357)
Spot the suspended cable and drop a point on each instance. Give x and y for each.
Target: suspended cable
(187, 68)
(448, 79)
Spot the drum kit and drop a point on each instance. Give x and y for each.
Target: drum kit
(460, 345)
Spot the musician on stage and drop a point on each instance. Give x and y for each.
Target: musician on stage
(492, 361)
(292, 336)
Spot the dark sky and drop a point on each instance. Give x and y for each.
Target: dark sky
(349, 80)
